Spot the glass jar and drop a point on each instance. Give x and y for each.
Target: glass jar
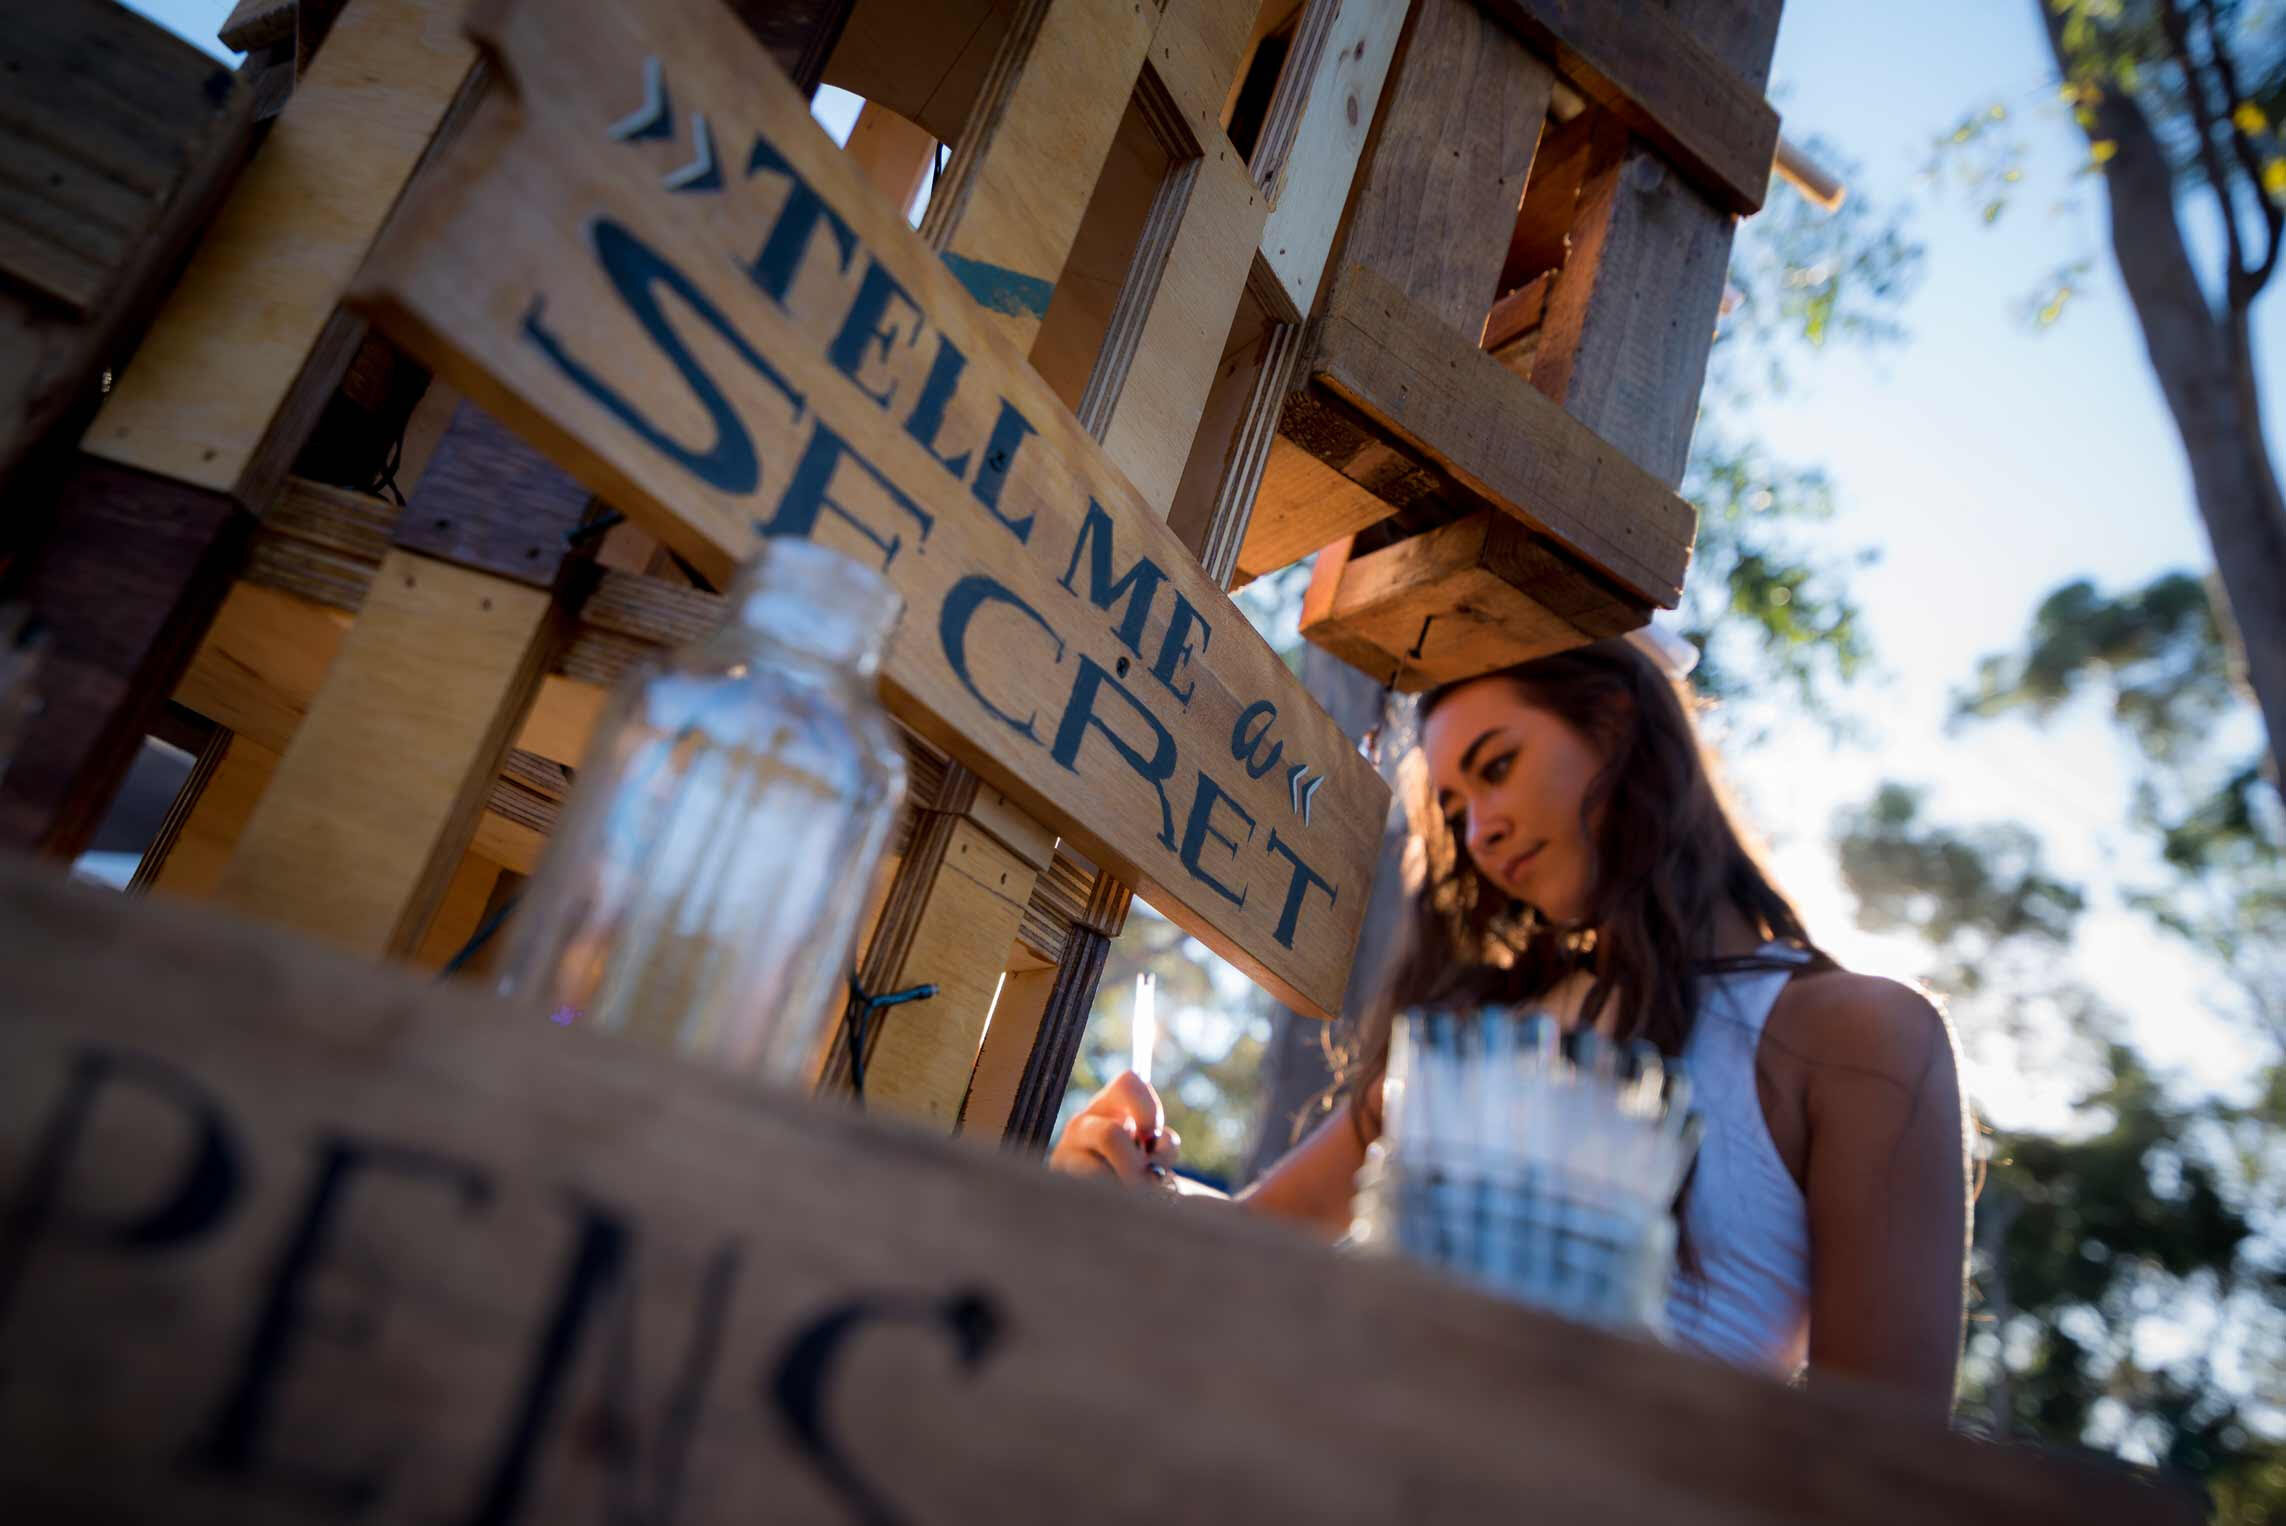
(1540, 1167)
(704, 887)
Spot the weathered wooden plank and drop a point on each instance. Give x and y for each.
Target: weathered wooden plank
(291, 1230)
(1302, 503)
(131, 570)
(1436, 204)
(1639, 59)
(1628, 330)
(1500, 438)
(1463, 599)
(516, 308)
(130, 115)
(256, 300)
(1312, 182)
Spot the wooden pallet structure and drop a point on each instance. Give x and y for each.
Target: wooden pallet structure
(1401, 283)
(372, 410)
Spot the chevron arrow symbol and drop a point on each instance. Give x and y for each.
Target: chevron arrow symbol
(655, 118)
(700, 174)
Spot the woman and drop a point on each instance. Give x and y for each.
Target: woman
(1579, 858)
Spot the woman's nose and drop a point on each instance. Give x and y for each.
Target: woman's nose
(1486, 832)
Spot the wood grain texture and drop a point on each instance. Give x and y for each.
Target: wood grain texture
(225, 354)
(926, 60)
(1551, 193)
(523, 191)
(83, 91)
(105, 116)
(1626, 337)
(491, 502)
(1105, 252)
(895, 154)
(1187, 317)
(131, 569)
(1277, 364)
(261, 661)
(377, 796)
(950, 919)
(1463, 599)
(1302, 504)
(193, 865)
(467, 1235)
(1312, 182)
(1236, 378)
(1195, 53)
(1641, 59)
(1018, 1013)
(1499, 438)
(1436, 201)
(1032, 150)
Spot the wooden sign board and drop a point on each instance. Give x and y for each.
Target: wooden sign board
(290, 1237)
(645, 256)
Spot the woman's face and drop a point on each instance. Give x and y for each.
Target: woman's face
(1510, 780)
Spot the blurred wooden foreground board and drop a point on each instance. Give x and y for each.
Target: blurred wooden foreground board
(292, 1236)
(643, 255)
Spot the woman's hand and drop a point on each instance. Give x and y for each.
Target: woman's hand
(1122, 1131)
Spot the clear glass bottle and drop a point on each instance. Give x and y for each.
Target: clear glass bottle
(703, 889)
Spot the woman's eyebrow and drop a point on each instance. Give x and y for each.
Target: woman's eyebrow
(1468, 758)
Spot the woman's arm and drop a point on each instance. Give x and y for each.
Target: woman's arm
(1313, 1182)
(1886, 1183)
(1121, 1133)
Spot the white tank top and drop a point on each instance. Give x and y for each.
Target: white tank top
(1744, 1216)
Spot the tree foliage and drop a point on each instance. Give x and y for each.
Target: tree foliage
(2129, 1271)
(1768, 601)
(2154, 659)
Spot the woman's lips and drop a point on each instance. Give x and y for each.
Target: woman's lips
(1510, 871)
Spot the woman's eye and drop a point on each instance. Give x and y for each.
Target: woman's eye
(1497, 769)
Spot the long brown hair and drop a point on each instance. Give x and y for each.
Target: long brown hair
(1666, 857)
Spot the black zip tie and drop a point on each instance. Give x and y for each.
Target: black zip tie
(861, 1010)
(479, 938)
(602, 524)
(698, 579)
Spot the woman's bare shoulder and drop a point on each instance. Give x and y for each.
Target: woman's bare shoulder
(1865, 1025)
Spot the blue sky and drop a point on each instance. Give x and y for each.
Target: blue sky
(1989, 463)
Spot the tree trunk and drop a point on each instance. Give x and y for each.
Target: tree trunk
(2205, 369)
